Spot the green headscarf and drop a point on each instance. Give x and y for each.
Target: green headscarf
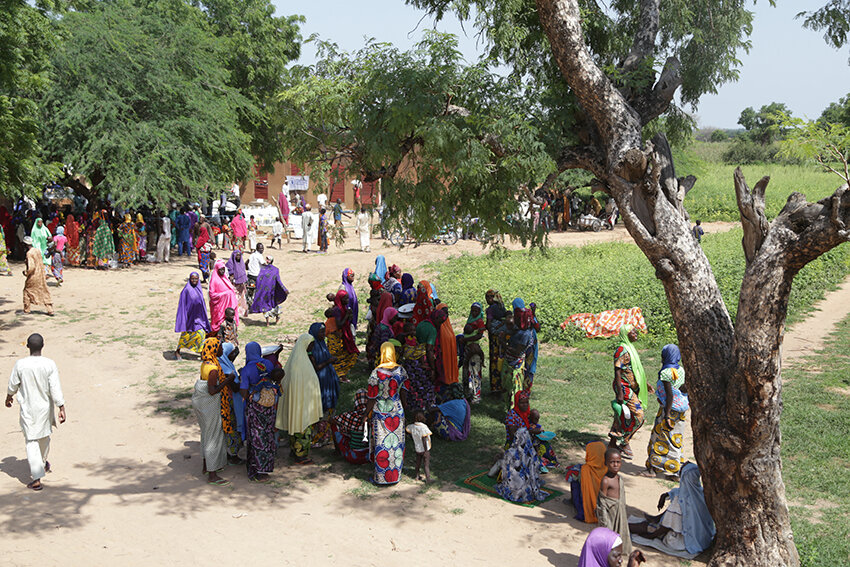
(637, 366)
(40, 237)
(426, 333)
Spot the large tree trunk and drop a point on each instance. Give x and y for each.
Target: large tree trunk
(734, 371)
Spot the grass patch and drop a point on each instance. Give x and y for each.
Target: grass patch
(598, 277)
(815, 422)
(713, 196)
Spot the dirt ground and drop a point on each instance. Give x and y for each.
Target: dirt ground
(127, 487)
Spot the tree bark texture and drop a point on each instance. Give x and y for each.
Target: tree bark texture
(734, 370)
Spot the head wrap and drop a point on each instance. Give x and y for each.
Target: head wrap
(127, 217)
(209, 352)
(697, 524)
(384, 303)
(328, 378)
(236, 268)
(448, 344)
(388, 356)
(352, 297)
(191, 309)
(424, 305)
(480, 316)
(222, 295)
(224, 361)
(522, 395)
(60, 230)
(670, 357)
(597, 546)
(406, 281)
(72, 232)
(375, 282)
(637, 365)
(590, 476)
(345, 330)
(381, 267)
(301, 403)
(393, 272)
(388, 315)
(426, 333)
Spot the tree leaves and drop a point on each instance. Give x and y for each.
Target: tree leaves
(140, 100)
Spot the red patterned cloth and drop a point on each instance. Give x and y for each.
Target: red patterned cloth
(607, 323)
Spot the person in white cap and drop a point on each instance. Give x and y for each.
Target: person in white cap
(35, 384)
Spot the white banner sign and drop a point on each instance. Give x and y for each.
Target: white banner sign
(298, 182)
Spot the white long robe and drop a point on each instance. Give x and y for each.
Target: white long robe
(35, 384)
(364, 228)
(310, 222)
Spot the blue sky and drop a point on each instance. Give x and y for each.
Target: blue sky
(786, 64)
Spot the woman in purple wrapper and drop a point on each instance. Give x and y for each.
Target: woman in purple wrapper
(191, 322)
(348, 287)
(239, 276)
(270, 292)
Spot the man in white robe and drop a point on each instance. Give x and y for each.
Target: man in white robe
(35, 384)
(364, 229)
(163, 244)
(310, 224)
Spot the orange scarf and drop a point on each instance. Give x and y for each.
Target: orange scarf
(448, 349)
(591, 478)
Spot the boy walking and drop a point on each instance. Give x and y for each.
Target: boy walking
(35, 384)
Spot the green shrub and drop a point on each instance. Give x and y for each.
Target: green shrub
(594, 278)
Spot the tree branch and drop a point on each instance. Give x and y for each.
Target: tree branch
(653, 103)
(643, 45)
(617, 123)
(753, 219)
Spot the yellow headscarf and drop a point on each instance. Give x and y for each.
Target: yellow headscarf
(140, 218)
(128, 218)
(388, 356)
(209, 352)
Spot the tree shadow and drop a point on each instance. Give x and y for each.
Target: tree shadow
(559, 559)
(10, 318)
(184, 355)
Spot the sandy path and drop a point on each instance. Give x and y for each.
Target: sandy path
(127, 487)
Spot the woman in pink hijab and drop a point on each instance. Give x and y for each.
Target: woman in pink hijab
(222, 295)
(240, 229)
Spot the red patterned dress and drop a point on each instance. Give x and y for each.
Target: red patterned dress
(386, 437)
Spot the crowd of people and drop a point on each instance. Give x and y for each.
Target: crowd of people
(423, 378)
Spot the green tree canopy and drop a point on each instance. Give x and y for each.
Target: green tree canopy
(837, 112)
(25, 44)
(767, 125)
(447, 139)
(143, 103)
(833, 18)
(257, 46)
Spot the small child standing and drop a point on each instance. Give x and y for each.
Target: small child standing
(277, 234)
(60, 240)
(611, 501)
(422, 443)
(228, 332)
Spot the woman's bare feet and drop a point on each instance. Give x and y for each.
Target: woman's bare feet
(216, 480)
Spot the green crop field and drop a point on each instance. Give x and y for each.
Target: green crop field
(567, 280)
(713, 196)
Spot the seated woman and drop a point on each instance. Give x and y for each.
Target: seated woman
(520, 417)
(686, 528)
(585, 481)
(348, 431)
(519, 474)
(604, 548)
(450, 420)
